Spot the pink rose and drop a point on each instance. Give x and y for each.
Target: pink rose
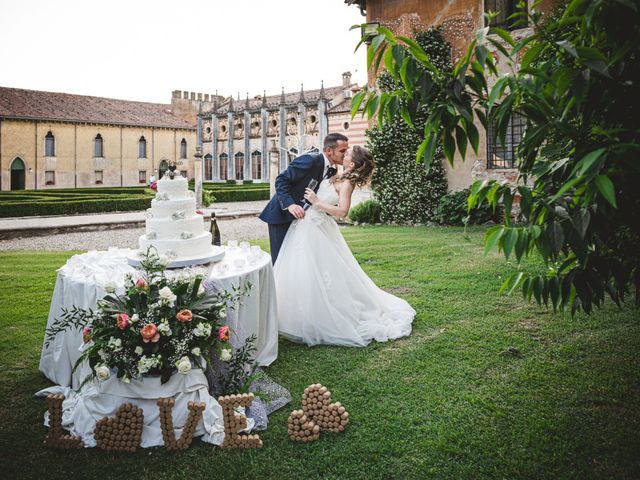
(141, 284)
(150, 333)
(122, 320)
(223, 333)
(86, 334)
(184, 315)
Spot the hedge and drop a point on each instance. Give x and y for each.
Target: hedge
(72, 207)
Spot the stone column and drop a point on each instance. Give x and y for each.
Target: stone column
(264, 118)
(199, 145)
(231, 169)
(301, 116)
(274, 154)
(247, 145)
(197, 166)
(215, 174)
(323, 121)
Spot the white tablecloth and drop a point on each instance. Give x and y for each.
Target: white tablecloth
(81, 282)
(82, 409)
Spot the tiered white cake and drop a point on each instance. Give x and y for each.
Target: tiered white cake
(174, 228)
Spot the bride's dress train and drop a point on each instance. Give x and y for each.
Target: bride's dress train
(324, 297)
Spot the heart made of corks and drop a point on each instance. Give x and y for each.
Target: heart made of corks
(122, 432)
(317, 406)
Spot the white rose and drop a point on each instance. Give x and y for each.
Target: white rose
(184, 365)
(110, 287)
(165, 329)
(164, 260)
(167, 295)
(102, 372)
(202, 330)
(225, 354)
(223, 312)
(138, 350)
(143, 365)
(134, 318)
(196, 351)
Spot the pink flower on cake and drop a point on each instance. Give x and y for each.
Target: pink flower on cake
(184, 315)
(150, 333)
(223, 333)
(122, 320)
(86, 334)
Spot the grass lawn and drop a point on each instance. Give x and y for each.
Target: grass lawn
(449, 402)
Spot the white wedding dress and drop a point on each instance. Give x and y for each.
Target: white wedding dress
(324, 297)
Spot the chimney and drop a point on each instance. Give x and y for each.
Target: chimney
(346, 85)
(346, 80)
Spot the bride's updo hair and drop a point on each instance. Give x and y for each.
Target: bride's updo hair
(362, 169)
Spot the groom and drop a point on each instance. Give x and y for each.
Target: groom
(286, 204)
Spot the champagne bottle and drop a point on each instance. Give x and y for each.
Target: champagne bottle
(215, 231)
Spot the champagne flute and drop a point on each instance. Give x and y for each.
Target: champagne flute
(313, 183)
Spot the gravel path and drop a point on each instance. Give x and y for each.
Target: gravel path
(244, 228)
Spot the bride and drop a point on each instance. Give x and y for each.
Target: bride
(324, 297)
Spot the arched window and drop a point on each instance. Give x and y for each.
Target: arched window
(17, 174)
(224, 166)
(142, 147)
(164, 166)
(256, 165)
(239, 165)
(183, 148)
(207, 166)
(98, 150)
(49, 145)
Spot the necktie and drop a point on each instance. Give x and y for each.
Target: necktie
(331, 171)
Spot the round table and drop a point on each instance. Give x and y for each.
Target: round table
(81, 282)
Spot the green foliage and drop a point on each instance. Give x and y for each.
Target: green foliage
(367, 211)
(453, 210)
(207, 197)
(576, 86)
(407, 192)
(236, 375)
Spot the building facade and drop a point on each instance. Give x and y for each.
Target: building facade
(459, 20)
(237, 135)
(58, 140)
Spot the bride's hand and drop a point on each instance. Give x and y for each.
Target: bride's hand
(310, 195)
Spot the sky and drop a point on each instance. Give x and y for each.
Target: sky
(143, 50)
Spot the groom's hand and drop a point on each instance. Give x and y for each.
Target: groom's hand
(296, 210)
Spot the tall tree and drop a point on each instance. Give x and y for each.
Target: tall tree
(575, 80)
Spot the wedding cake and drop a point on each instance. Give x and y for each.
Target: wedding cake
(174, 228)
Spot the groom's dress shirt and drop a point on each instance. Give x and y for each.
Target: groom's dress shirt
(329, 170)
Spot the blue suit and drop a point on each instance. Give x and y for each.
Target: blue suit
(290, 186)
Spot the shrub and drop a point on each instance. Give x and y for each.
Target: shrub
(365, 212)
(452, 210)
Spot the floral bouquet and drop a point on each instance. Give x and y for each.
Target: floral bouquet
(160, 325)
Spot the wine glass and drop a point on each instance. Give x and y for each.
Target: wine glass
(313, 183)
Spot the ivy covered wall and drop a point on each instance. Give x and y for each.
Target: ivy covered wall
(407, 192)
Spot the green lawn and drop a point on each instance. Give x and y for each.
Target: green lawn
(449, 402)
